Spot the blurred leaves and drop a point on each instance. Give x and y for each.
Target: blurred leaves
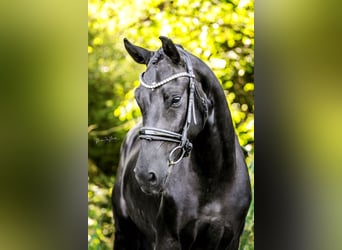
(100, 219)
(220, 32)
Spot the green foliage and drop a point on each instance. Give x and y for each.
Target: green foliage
(220, 32)
(247, 237)
(100, 219)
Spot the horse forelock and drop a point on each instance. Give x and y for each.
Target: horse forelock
(158, 55)
(159, 69)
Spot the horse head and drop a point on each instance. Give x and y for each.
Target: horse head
(174, 109)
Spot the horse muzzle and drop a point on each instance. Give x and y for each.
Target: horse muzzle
(149, 181)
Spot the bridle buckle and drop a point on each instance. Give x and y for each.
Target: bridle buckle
(174, 161)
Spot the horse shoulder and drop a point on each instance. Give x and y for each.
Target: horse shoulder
(242, 188)
(227, 203)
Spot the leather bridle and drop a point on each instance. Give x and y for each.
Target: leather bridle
(156, 134)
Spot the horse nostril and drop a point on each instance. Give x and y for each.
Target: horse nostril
(152, 177)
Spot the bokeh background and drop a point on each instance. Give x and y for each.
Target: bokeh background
(219, 32)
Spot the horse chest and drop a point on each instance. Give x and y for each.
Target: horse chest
(212, 210)
(143, 216)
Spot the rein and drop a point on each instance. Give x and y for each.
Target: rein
(156, 134)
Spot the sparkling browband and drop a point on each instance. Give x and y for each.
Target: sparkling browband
(158, 84)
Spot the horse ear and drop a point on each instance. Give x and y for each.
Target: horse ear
(170, 49)
(140, 55)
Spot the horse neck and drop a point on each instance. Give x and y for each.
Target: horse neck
(214, 147)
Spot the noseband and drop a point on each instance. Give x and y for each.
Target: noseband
(156, 134)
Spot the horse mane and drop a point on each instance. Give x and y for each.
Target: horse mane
(212, 88)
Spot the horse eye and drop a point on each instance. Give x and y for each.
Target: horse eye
(176, 100)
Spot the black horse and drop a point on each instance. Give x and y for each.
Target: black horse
(182, 181)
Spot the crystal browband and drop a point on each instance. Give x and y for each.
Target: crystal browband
(158, 84)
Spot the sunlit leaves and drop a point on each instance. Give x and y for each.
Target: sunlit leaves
(248, 87)
(100, 224)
